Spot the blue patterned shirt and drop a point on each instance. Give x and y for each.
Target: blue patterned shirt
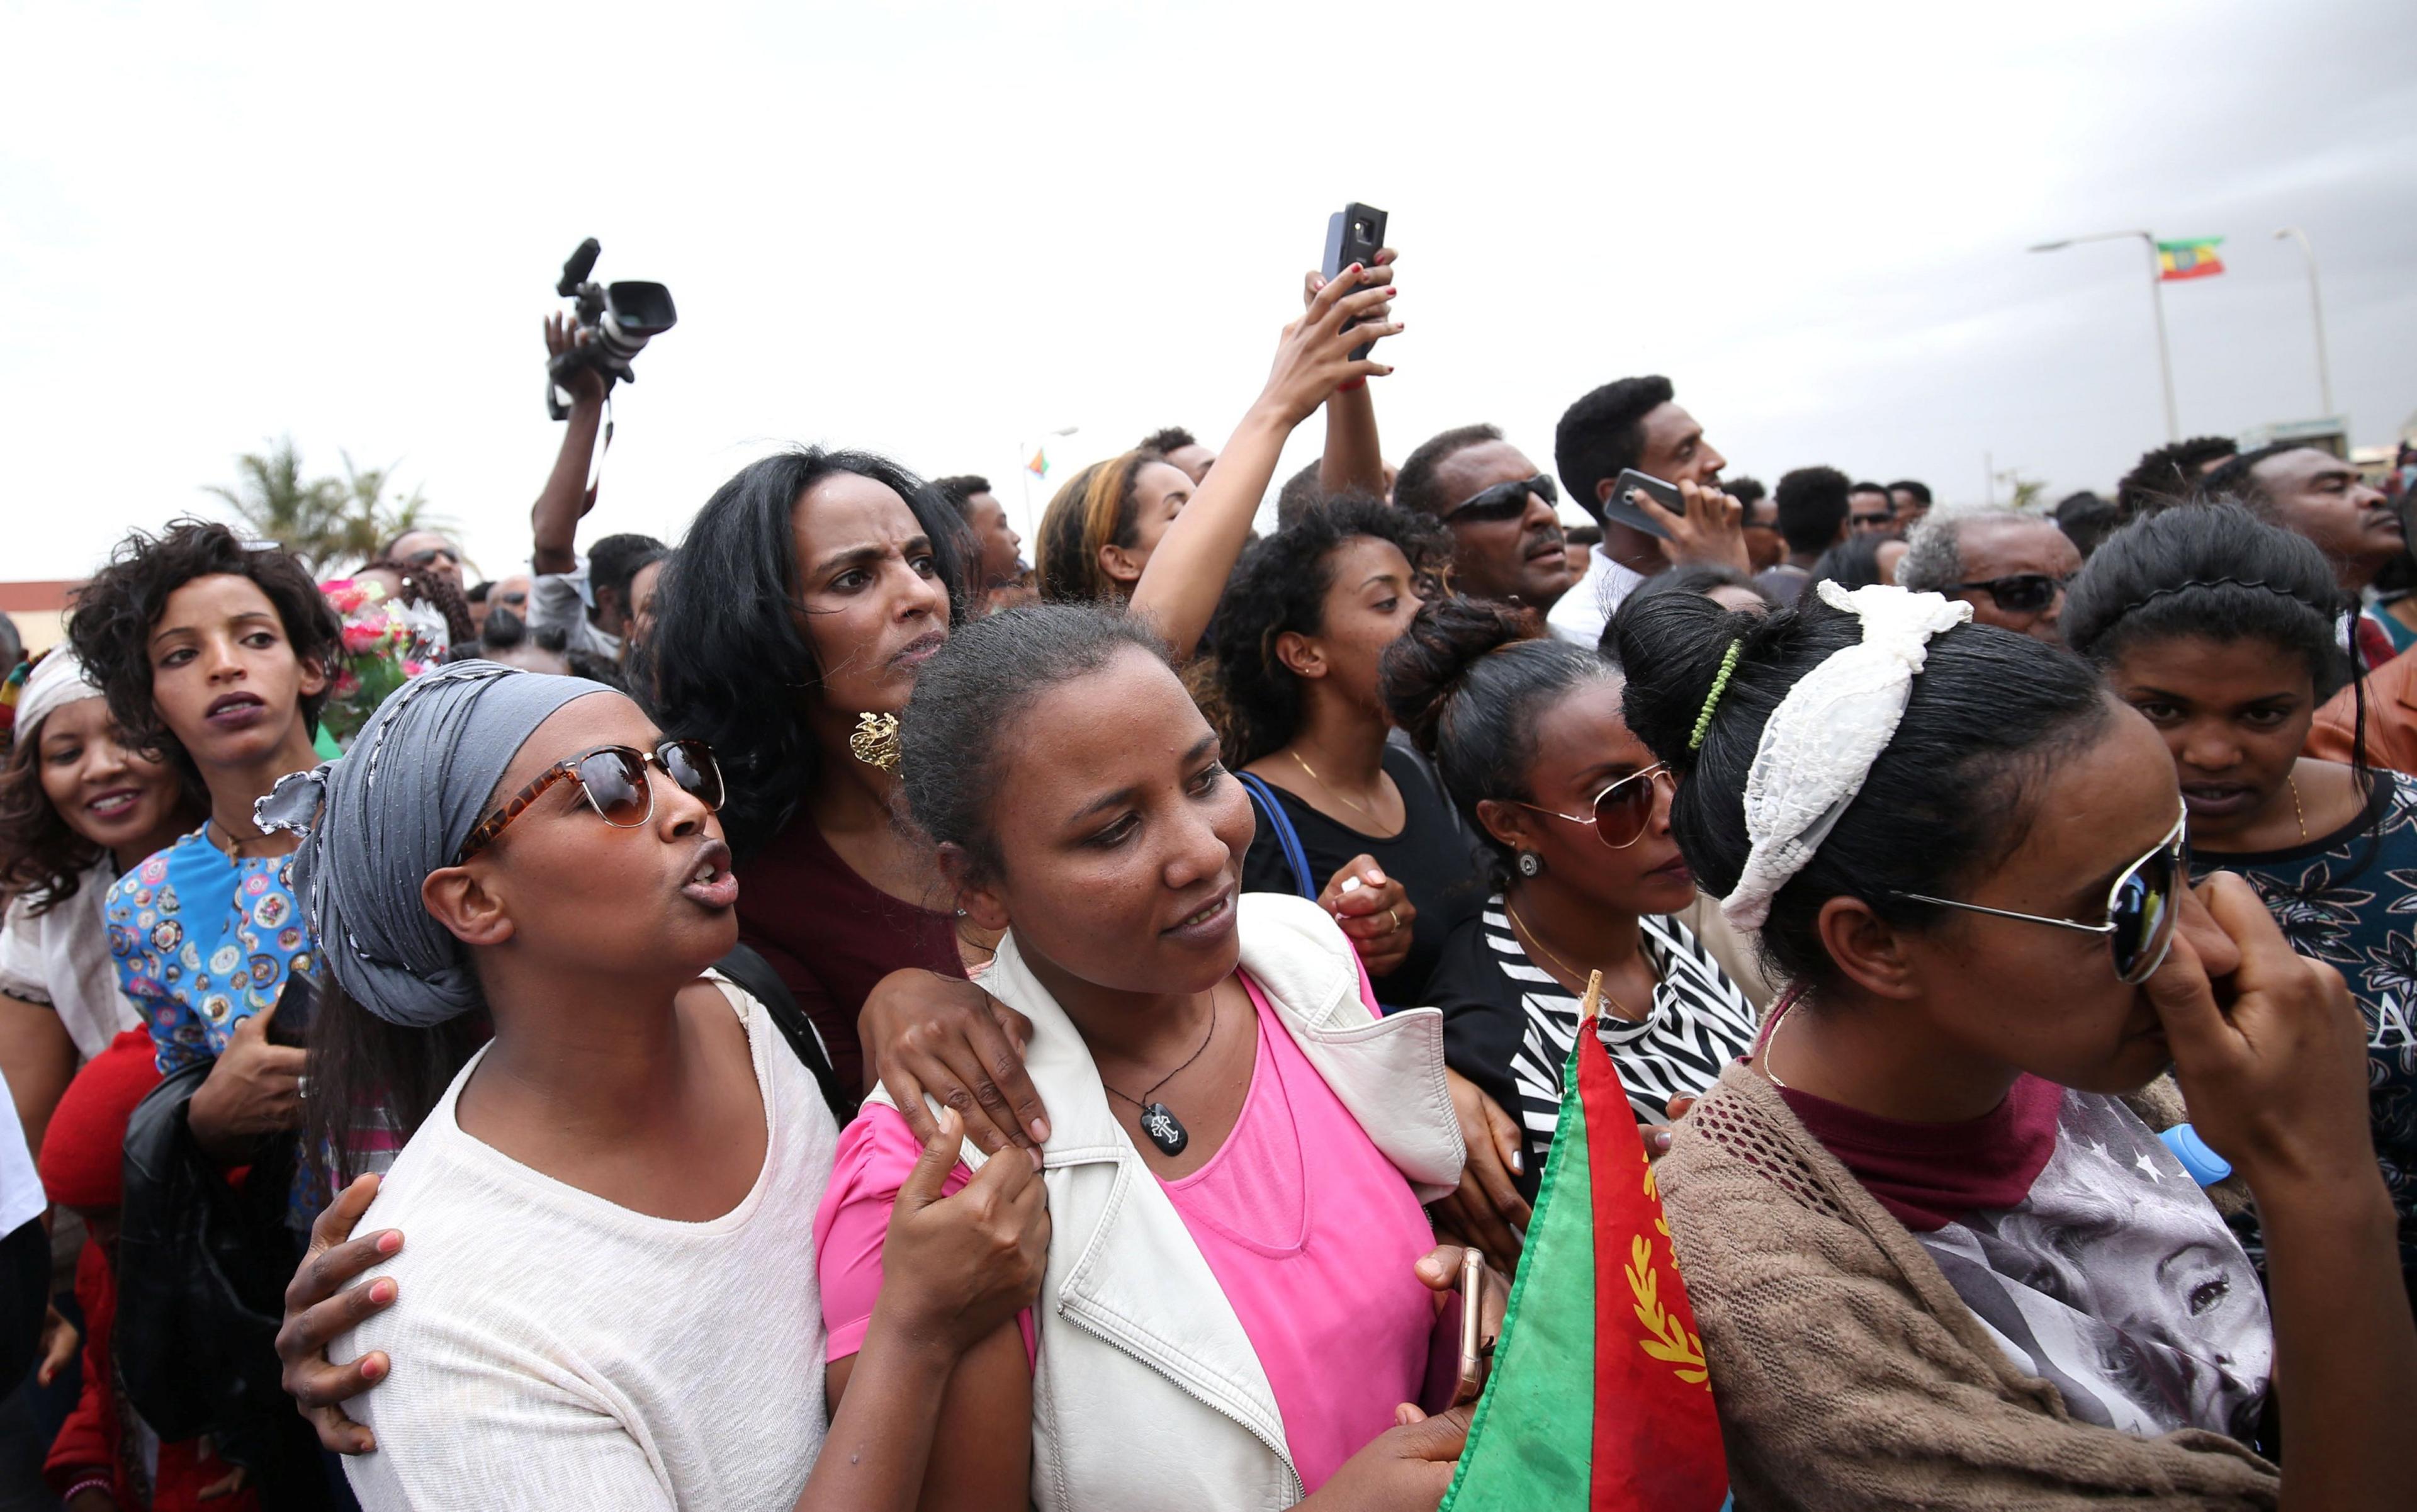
(203, 941)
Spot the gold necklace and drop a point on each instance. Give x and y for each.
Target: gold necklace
(1338, 793)
(1568, 974)
(2297, 812)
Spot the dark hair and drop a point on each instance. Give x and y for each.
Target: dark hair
(2215, 571)
(113, 615)
(1697, 579)
(1880, 489)
(730, 663)
(612, 562)
(1854, 562)
(438, 592)
(42, 858)
(1989, 712)
(1173, 438)
(2085, 520)
(385, 552)
(961, 488)
(1921, 491)
(1302, 493)
(1812, 503)
(477, 592)
(1603, 433)
(1415, 486)
(1096, 507)
(2169, 474)
(1280, 587)
(968, 696)
(1748, 492)
(1468, 681)
(2236, 479)
(360, 1062)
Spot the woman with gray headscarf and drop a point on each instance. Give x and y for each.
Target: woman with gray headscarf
(614, 1199)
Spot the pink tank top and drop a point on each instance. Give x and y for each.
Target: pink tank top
(1315, 1257)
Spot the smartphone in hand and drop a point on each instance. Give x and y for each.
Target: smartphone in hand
(1476, 1351)
(1353, 234)
(1617, 510)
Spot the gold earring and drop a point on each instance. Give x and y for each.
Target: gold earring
(874, 741)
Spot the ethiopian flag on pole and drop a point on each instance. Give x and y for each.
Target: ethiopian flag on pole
(2188, 259)
(1599, 1397)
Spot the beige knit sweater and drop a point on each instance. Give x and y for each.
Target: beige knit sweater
(1846, 1370)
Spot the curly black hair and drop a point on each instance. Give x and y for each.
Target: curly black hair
(113, 617)
(1173, 438)
(2169, 474)
(1282, 586)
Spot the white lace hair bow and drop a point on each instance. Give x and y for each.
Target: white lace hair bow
(1820, 742)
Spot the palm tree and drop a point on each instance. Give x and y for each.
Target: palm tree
(321, 521)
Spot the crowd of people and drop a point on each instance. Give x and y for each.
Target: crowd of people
(828, 1014)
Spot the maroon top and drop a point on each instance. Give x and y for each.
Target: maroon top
(832, 935)
(1930, 1175)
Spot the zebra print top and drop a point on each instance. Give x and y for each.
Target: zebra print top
(1509, 1026)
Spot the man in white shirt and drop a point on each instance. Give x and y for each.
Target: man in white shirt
(1636, 422)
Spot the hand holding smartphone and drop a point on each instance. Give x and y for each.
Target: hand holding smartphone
(1618, 509)
(1354, 234)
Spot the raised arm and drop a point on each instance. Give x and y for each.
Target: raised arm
(1186, 576)
(1353, 462)
(553, 520)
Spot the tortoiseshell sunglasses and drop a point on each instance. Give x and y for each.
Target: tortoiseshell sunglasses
(614, 778)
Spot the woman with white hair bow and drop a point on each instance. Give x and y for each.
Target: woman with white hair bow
(77, 807)
(1937, 1259)
(609, 1299)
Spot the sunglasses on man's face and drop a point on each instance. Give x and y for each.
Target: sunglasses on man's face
(1622, 811)
(428, 557)
(2141, 907)
(612, 779)
(2021, 593)
(1504, 501)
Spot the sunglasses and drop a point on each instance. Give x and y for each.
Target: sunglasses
(613, 780)
(1622, 811)
(428, 557)
(2022, 593)
(2142, 906)
(1504, 501)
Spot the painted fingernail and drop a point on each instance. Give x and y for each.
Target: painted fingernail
(1659, 1138)
(373, 1368)
(1039, 1128)
(1518, 1163)
(1350, 884)
(390, 1241)
(382, 1292)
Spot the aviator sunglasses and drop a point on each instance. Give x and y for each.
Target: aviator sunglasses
(2142, 906)
(2022, 593)
(613, 780)
(1622, 811)
(1504, 501)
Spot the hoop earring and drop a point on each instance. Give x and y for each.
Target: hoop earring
(1530, 865)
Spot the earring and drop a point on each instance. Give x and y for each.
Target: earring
(874, 741)
(1530, 865)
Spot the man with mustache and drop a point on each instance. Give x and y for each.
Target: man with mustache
(1507, 543)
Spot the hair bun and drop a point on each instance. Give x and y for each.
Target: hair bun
(1424, 668)
(1670, 647)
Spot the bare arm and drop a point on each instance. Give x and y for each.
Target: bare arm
(1353, 462)
(39, 1060)
(553, 520)
(1186, 576)
(974, 1444)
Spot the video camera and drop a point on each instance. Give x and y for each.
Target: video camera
(619, 320)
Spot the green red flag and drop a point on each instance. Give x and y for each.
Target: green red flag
(1599, 1396)
(2189, 259)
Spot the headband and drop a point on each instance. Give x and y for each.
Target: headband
(51, 683)
(395, 808)
(1820, 743)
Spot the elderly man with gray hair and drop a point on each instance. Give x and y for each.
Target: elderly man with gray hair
(2010, 566)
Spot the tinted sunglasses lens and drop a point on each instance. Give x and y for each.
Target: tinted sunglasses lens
(2143, 914)
(1622, 811)
(1503, 501)
(1543, 487)
(691, 765)
(2028, 594)
(615, 781)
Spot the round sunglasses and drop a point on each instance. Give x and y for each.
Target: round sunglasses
(612, 779)
(2141, 907)
(2022, 593)
(1622, 811)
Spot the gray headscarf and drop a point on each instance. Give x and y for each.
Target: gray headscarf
(395, 808)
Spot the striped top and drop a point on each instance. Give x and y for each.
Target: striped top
(1509, 1025)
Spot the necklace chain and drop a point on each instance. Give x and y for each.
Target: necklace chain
(1152, 1095)
(2297, 812)
(1339, 794)
(1570, 973)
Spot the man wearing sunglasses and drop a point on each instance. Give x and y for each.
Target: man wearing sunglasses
(1636, 422)
(1500, 507)
(2011, 567)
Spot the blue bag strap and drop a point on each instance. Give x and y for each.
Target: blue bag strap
(1271, 814)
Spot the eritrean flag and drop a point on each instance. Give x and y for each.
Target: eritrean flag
(2188, 259)
(1597, 1398)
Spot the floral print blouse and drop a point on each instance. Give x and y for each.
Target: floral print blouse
(203, 941)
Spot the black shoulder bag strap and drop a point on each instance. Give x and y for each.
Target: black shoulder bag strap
(754, 975)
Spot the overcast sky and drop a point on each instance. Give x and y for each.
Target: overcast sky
(940, 229)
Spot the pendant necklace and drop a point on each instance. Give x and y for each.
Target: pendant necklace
(1158, 1120)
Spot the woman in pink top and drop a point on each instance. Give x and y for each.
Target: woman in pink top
(1078, 803)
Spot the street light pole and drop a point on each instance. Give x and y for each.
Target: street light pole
(2316, 315)
(2156, 303)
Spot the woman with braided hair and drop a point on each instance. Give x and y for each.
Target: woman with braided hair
(2226, 632)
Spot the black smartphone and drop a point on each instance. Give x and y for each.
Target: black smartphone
(291, 1024)
(1353, 234)
(1618, 510)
